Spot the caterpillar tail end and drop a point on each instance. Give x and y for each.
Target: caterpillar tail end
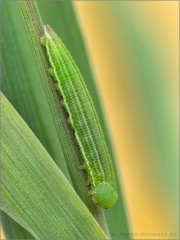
(49, 32)
(104, 195)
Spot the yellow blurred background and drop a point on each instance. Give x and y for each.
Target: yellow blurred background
(133, 48)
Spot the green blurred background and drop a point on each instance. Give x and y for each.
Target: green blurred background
(133, 47)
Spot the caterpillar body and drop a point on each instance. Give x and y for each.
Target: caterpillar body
(83, 120)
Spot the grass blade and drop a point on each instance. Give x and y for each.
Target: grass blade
(65, 133)
(35, 193)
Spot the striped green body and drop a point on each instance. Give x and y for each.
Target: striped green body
(82, 114)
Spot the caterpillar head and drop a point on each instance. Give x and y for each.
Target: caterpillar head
(104, 195)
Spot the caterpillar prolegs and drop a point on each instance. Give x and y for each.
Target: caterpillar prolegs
(83, 120)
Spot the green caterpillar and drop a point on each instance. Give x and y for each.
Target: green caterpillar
(83, 120)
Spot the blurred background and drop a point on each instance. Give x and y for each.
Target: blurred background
(133, 48)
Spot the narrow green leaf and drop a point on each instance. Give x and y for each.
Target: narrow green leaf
(34, 191)
(71, 151)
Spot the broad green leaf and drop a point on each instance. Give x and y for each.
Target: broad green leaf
(34, 191)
